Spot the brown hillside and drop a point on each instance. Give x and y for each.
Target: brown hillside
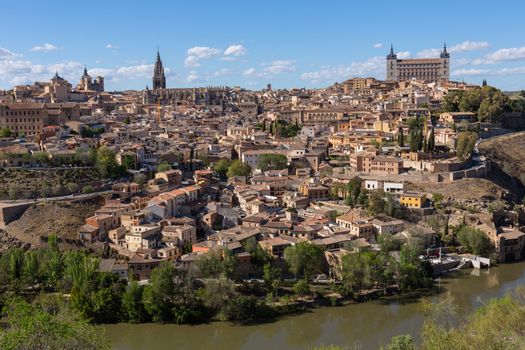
(42, 220)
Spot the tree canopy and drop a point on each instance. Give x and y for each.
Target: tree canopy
(272, 162)
(487, 102)
(304, 259)
(238, 168)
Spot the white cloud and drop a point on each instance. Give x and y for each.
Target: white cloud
(462, 47)
(270, 69)
(6, 54)
(468, 71)
(67, 68)
(139, 71)
(192, 76)
(378, 45)
(279, 66)
(111, 46)
(222, 72)
(197, 53)
(374, 66)
(502, 55)
(202, 51)
(404, 54)
(487, 72)
(469, 46)
(252, 73)
(45, 47)
(235, 50)
(192, 61)
(428, 53)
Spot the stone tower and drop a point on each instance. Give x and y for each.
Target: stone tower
(159, 80)
(391, 65)
(445, 63)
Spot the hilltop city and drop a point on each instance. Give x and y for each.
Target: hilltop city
(296, 191)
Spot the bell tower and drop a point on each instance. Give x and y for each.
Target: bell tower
(391, 65)
(159, 79)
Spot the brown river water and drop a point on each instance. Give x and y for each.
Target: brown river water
(367, 325)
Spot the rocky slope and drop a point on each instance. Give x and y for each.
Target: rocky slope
(507, 156)
(41, 220)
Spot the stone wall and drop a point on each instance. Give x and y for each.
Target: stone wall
(11, 212)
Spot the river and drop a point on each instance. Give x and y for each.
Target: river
(368, 325)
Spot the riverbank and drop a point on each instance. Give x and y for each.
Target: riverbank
(369, 324)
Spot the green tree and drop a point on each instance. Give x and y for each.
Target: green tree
(353, 192)
(221, 167)
(272, 162)
(217, 295)
(217, 263)
(474, 240)
(355, 272)
(431, 140)
(133, 307)
(128, 161)
(139, 178)
(400, 138)
(33, 327)
(498, 324)
(52, 263)
(106, 163)
(5, 132)
(401, 342)
(304, 259)
(259, 256)
(13, 191)
(72, 187)
(31, 266)
(88, 189)
(412, 273)
(245, 308)
(164, 166)
(41, 157)
(452, 100)
(414, 141)
(376, 202)
(159, 294)
(465, 144)
(238, 168)
(272, 277)
(301, 288)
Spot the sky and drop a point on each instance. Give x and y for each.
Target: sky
(253, 43)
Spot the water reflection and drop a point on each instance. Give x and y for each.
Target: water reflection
(368, 324)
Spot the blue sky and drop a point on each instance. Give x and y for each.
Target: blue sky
(252, 43)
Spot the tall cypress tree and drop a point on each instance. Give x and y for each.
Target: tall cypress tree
(431, 140)
(420, 139)
(413, 141)
(401, 138)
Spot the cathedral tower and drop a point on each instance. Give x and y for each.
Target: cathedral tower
(159, 80)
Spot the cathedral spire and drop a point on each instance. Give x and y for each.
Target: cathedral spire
(391, 55)
(444, 53)
(159, 79)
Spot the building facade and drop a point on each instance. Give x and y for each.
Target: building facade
(24, 118)
(88, 84)
(426, 69)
